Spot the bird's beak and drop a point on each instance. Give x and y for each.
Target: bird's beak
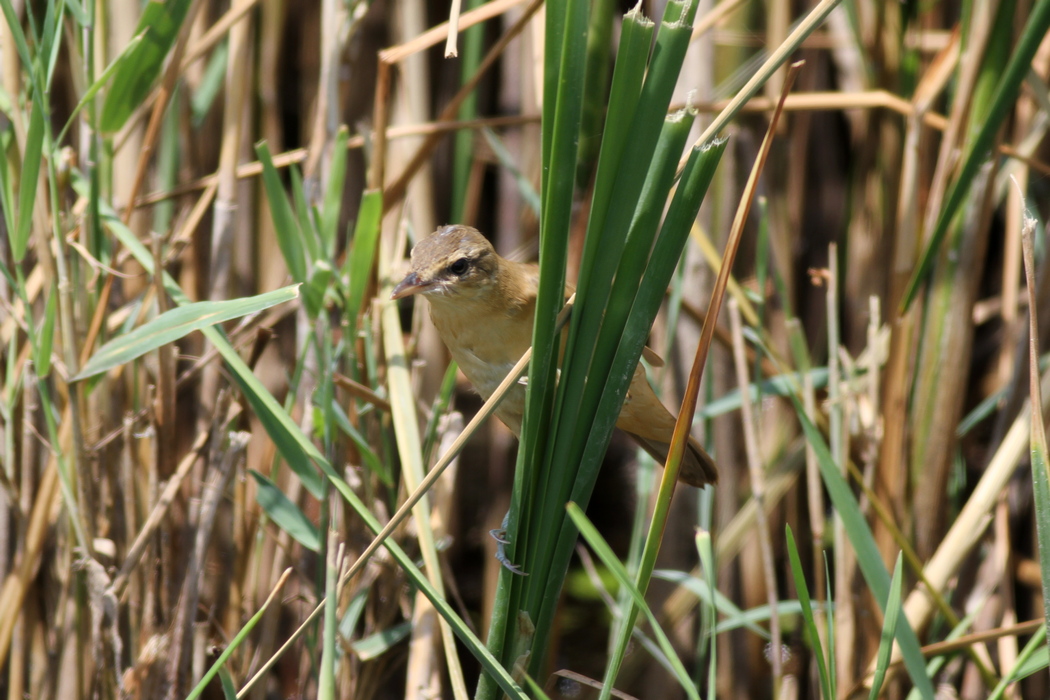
(412, 284)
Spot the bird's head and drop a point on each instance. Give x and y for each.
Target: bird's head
(454, 262)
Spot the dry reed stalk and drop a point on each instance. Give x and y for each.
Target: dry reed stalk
(758, 491)
(815, 504)
(25, 620)
(845, 618)
(238, 79)
(159, 511)
(227, 200)
(892, 473)
(16, 318)
(778, 20)
(396, 190)
(435, 35)
(1027, 121)
(216, 32)
(160, 102)
(389, 57)
(1002, 574)
(130, 496)
(453, 29)
(967, 640)
(299, 155)
(872, 375)
(797, 102)
(17, 584)
(725, 339)
(746, 199)
(975, 516)
(714, 16)
(948, 337)
(335, 20)
(212, 494)
(164, 406)
(444, 515)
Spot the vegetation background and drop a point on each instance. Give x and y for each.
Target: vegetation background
(163, 513)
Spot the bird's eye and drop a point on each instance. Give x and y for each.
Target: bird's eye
(459, 267)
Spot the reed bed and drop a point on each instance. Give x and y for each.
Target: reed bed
(231, 466)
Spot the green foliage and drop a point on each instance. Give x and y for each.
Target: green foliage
(285, 514)
(361, 257)
(159, 26)
(605, 553)
(290, 237)
(177, 323)
(46, 335)
(889, 631)
(28, 180)
(860, 537)
(825, 662)
(1006, 88)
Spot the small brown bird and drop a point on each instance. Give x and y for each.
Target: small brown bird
(483, 306)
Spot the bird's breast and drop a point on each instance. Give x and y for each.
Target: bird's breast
(486, 346)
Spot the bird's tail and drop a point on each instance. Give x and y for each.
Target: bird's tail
(698, 469)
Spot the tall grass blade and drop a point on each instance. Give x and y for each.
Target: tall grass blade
(30, 176)
(506, 160)
(373, 646)
(290, 237)
(330, 647)
(584, 415)
(1005, 96)
(45, 336)
(100, 83)
(735, 617)
(708, 614)
(307, 223)
(889, 631)
(471, 45)
(229, 691)
(1033, 658)
(1040, 457)
(285, 514)
(334, 196)
(564, 63)
(238, 639)
(177, 323)
(608, 558)
(14, 25)
(596, 86)
(361, 258)
(810, 622)
(210, 85)
(860, 537)
(159, 24)
(51, 39)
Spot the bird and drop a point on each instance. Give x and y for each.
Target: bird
(483, 306)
